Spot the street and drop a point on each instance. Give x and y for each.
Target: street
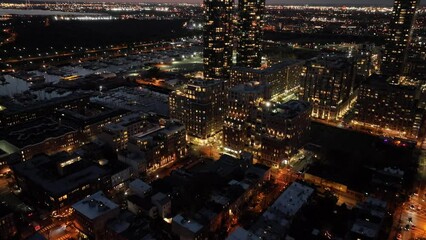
(410, 218)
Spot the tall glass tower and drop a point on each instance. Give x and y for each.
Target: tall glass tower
(250, 32)
(217, 38)
(399, 38)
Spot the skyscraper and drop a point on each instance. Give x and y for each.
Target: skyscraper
(217, 38)
(250, 32)
(398, 40)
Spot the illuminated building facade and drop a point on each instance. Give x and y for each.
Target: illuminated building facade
(282, 129)
(366, 61)
(160, 145)
(217, 37)
(250, 33)
(399, 38)
(199, 106)
(281, 77)
(328, 85)
(117, 134)
(272, 132)
(42, 136)
(386, 108)
(243, 101)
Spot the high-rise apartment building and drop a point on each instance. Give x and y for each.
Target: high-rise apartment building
(328, 85)
(386, 108)
(199, 106)
(217, 37)
(399, 38)
(242, 104)
(272, 132)
(282, 129)
(250, 32)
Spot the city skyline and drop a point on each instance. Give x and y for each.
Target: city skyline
(296, 2)
(223, 120)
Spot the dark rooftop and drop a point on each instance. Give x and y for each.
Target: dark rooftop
(92, 113)
(42, 171)
(34, 132)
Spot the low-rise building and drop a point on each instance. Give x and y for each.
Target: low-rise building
(135, 100)
(90, 119)
(187, 228)
(139, 188)
(41, 136)
(135, 160)
(128, 226)
(242, 234)
(92, 214)
(218, 204)
(274, 223)
(117, 134)
(369, 220)
(59, 180)
(163, 204)
(14, 115)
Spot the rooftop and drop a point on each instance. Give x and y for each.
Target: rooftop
(95, 206)
(169, 129)
(189, 224)
(34, 132)
(92, 113)
(161, 198)
(135, 99)
(122, 222)
(11, 108)
(287, 110)
(275, 220)
(366, 229)
(272, 69)
(250, 87)
(290, 201)
(382, 82)
(241, 234)
(126, 121)
(42, 171)
(331, 61)
(139, 186)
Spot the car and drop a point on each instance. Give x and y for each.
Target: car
(407, 227)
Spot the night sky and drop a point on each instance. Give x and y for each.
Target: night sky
(316, 2)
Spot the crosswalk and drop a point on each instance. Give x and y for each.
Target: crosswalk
(48, 228)
(65, 237)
